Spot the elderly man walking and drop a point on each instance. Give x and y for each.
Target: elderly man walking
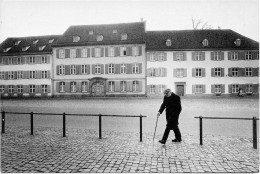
(172, 104)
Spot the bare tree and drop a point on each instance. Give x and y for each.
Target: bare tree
(198, 24)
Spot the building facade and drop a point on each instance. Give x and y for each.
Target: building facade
(25, 66)
(101, 60)
(193, 62)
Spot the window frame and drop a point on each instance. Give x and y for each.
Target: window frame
(135, 68)
(152, 89)
(62, 87)
(32, 89)
(122, 68)
(84, 86)
(98, 69)
(123, 86)
(72, 69)
(198, 72)
(84, 69)
(19, 89)
(10, 75)
(198, 89)
(111, 51)
(234, 88)
(111, 68)
(2, 89)
(248, 55)
(248, 72)
(123, 51)
(218, 89)
(234, 72)
(11, 89)
(73, 87)
(61, 69)
(31, 60)
(217, 72)
(198, 56)
(180, 72)
(111, 86)
(44, 88)
(44, 74)
(179, 56)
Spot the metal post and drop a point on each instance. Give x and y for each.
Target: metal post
(254, 133)
(3, 121)
(201, 130)
(31, 123)
(64, 124)
(100, 127)
(141, 131)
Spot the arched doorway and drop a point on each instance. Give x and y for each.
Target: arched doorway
(98, 87)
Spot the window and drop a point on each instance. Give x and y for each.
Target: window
(2, 89)
(36, 41)
(217, 88)
(76, 38)
(73, 53)
(62, 86)
(19, 74)
(205, 42)
(91, 32)
(111, 69)
(249, 72)
(98, 52)
(10, 60)
(84, 69)
(6, 49)
(73, 87)
(217, 72)
(198, 88)
(25, 48)
(84, 52)
(1, 61)
(32, 88)
(19, 60)
(111, 52)
(72, 69)
(216, 56)
(99, 37)
(32, 74)
(135, 86)
(152, 89)
(17, 42)
(98, 69)
(123, 36)
(11, 75)
(84, 86)
(234, 72)
(2, 75)
(168, 42)
(198, 56)
(122, 69)
(31, 60)
(248, 55)
(122, 51)
(61, 69)
(238, 42)
(11, 89)
(135, 68)
(179, 72)
(235, 88)
(179, 56)
(42, 47)
(257, 57)
(249, 88)
(234, 56)
(161, 88)
(62, 53)
(123, 86)
(111, 86)
(152, 57)
(44, 89)
(161, 57)
(135, 51)
(152, 72)
(44, 74)
(44, 59)
(51, 40)
(19, 88)
(198, 72)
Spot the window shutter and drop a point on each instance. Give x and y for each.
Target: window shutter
(102, 51)
(15, 74)
(193, 89)
(38, 88)
(57, 53)
(78, 86)
(222, 72)
(241, 55)
(106, 51)
(148, 72)
(165, 57)
(140, 68)
(140, 86)
(203, 56)
(38, 59)
(117, 86)
(38, 74)
(26, 88)
(212, 55)
(57, 69)
(88, 52)
(193, 72)
(67, 53)
(88, 70)
(193, 56)
(222, 55)
(93, 69)
(255, 88)
(78, 52)
(212, 72)
(57, 86)
(254, 72)
(164, 72)
(23, 60)
(78, 69)
(92, 52)
(67, 86)
(229, 72)
(230, 88)
(148, 87)
(117, 51)
(140, 50)
(102, 69)
(203, 88)
(48, 59)
(48, 88)
(174, 72)
(106, 68)
(148, 57)
(184, 56)
(156, 56)
(48, 74)
(229, 55)
(128, 68)
(67, 69)
(185, 72)
(129, 86)
(27, 60)
(254, 55)
(213, 89)
(128, 50)
(117, 68)
(240, 72)
(174, 56)
(222, 89)
(243, 72)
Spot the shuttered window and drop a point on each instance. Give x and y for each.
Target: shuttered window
(10, 75)
(111, 86)
(10, 88)
(123, 86)
(249, 88)
(19, 60)
(72, 86)
(44, 89)
(62, 87)
(31, 88)
(248, 55)
(135, 51)
(122, 69)
(122, 51)
(84, 86)
(98, 69)
(31, 60)
(198, 89)
(97, 52)
(135, 86)
(19, 88)
(249, 72)
(234, 72)
(198, 72)
(43, 59)
(180, 72)
(111, 52)
(234, 88)
(135, 68)
(84, 69)
(62, 53)
(111, 68)
(72, 69)
(44, 74)
(32, 75)
(2, 75)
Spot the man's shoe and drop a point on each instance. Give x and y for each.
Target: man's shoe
(162, 141)
(176, 140)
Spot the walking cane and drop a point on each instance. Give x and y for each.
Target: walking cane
(155, 128)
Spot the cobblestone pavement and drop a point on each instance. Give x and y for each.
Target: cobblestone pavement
(121, 152)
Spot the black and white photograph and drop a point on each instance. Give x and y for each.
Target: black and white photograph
(129, 86)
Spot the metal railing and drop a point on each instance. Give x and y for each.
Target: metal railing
(231, 118)
(64, 120)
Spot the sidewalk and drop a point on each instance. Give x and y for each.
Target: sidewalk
(121, 152)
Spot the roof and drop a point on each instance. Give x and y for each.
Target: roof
(135, 34)
(16, 47)
(192, 39)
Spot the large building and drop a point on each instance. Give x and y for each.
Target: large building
(126, 60)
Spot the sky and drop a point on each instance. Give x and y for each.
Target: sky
(20, 18)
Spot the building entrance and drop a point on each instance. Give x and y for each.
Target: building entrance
(98, 90)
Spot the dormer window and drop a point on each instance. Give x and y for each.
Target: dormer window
(51, 40)
(168, 42)
(114, 31)
(42, 47)
(123, 36)
(17, 42)
(91, 32)
(25, 48)
(99, 37)
(7, 49)
(35, 42)
(238, 42)
(205, 42)
(76, 38)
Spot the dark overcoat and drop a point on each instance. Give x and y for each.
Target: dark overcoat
(173, 108)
